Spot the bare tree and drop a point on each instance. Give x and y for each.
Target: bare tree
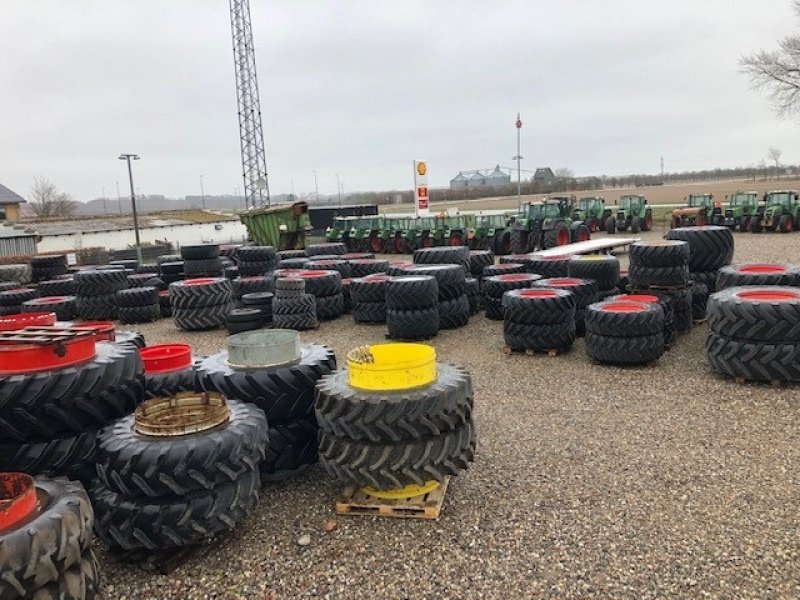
(46, 201)
(564, 173)
(775, 156)
(778, 72)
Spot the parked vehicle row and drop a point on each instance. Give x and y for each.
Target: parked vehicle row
(779, 210)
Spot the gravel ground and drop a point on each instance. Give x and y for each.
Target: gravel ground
(590, 481)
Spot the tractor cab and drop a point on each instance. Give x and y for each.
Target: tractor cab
(781, 212)
(633, 213)
(699, 209)
(339, 229)
(593, 212)
(740, 210)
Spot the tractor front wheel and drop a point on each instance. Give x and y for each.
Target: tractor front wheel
(648, 221)
(611, 225)
(399, 245)
(755, 226)
(636, 225)
(456, 239)
(375, 244)
(786, 223)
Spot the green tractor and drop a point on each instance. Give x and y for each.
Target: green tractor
(491, 233)
(542, 226)
(422, 234)
(742, 206)
(632, 213)
(700, 209)
(456, 229)
(339, 230)
(593, 212)
(780, 212)
(365, 234)
(397, 231)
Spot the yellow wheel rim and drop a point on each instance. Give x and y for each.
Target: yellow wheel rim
(388, 367)
(409, 491)
(594, 257)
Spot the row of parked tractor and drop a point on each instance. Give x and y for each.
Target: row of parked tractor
(778, 210)
(555, 221)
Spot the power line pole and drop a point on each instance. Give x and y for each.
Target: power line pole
(105, 206)
(202, 192)
(339, 190)
(662, 167)
(128, 157)
(316, 188)
(119, 199)
(518, 158)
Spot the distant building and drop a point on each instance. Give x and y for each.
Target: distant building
(486, 178)
(497, 178)
(9, 204)
(543, 175)
(459, 181)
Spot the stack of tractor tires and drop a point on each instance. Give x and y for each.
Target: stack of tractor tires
(453, 304)
(96, 293)
(48, 267)
(754, 333)
(584, 292)
(250, 285)
(48, 555)
(256, 260)
(412, 307)
(138, 305)
(710, 249)
(666, 305)
(551, 266)
(444, 255)
(326, 288)
(168, 370)
(292, 307)
(205, 484)
(262, 302)
(290, 254)
(335, 248)
(51, 418)
(621, 332)
(164, 303)
(478, 261)
(243, 319)
(202, 260)
(368, 296)
(11, 301)
(539, 319)
(65, 307)
(474, 297)
(504, 268)
(348, 301)
(757, 274)
(342, 266)
(495, 286)
(361, 267)
(285, 393)
(700, 295)
(659, 264)
(170, 268)
(22, 274)
(601, 268)
(200, 304)
(392, 439)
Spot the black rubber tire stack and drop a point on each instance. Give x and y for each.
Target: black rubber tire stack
(681, 302)
(202, 260)
(342, 266)
(504, 269)
(292, 308)
(474, 296)
(65, 307)
(48, 267)
(138, 305)
(443, 255)
(754, 333)
(478, 261)
(250, 285)
(205, 483)
(368, 296)
(388, 440)
(22, 274)
(412, 307)
(261, 301)
(624, 332)
(96, 293)
(286, 395)
(48, 556)
(293, 263)
(660, 264)
(666, 305)
(757, 274)
(326, 288)
(348, 301)
(398, 267)
(57, 287)
(453, 304)
(256, 260)
(601, 268)
(550, 266)
(538, 319)
(51, 418)
(336, 248)
(200, 304)
(129, 264)
(170, 268)
(11, 301)
(361, 267)
(584, 292)
(699, 301)
(243, 319)
(495, 286)
(164, 303)
(287, 254)
(710, 248)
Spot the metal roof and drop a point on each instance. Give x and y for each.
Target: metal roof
(8, 196)
(12, 231)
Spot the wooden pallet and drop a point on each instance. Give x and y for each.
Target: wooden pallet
(165, 561)
(553, 352)
(356, 502)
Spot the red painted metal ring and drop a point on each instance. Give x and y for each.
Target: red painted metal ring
(17, 498)
(166, 358)
(21, 357)
(104, 331)
(624, 307)
(33, 319)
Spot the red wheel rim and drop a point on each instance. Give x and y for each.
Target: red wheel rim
(104, 331)
(32, 319)
(563, 282)
(21, 357)
(538, 293)
(165, 358)
(646, 298)
(455, 240)
(584, 235)
(201, 281)
(562, 239)
(427, 242)
(17, 498)
(375, 244)
(516, 277)
(314, 274)
(772, 295)
(624, 307)
(762, 269)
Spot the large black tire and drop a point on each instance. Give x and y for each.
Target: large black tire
(99, 283)
(442, 406)
(201, 319)
(602, 268)
(74, 399)
(502, 243)
(699, 301)
(624, 350)
(200, 252)
(97, 308)
(645, 277)
(49, 261)
(287, 254)
(139, 314)
(65, 307)
(710, 247)
(757, 274)
(583, 290)
(196, 293)
(298, 322)
(503, 269)
(497, 285)
(249, 285)
(539, 306)
(330, 307)
(44, 546)
(753, 360)
(284, 393)
(610, 225)
(171, 268)
(474, 295)
(450, 278)
(71, 456)
(17, 297)
(523, 336)
(519, 241)
(369, 312)
(454, 313)
(292, 448)
(549, 267)
(397, 464)
(559, 235)
(479, 260)
(79, 582)
(624, 319)
(252, 269)
(141, 465)
(57, 287)
(411, 325)
(289, 287)
(322, 283)
(304, 304)
(754, 313)
(342, 266)
(443, 255)
(212, 267)
(262, 254)
(362, 267)
(169, 383)
(660, 253)
(173, 521)
(322, 249)
(411, 292)
(369, 289)
(709, 278)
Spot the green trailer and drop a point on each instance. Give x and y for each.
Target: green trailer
(283, 226)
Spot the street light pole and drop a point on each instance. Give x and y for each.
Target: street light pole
(202, 192)
(119, 199)
(127, 158)
(339, 190)
(316, 187)
(518, 158)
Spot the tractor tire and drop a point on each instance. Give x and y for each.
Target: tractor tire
(70, 456)
(478, 260)
(298, 322)
(289, 287)
(538, 306)
(322, 249)
(292, 448)
(503, 269)
(494, 308)
(474, 295)
(260, 254)
(518, 241)
(786, 224)
(443, 255)
(37, 552)
(249, 285)
(139, 314)
(198, 293)
(757, 274)
(202, 318)
(612, 350)
(171, 269)
(293, 263)
(399, 267)
(756, 313)
(185, 464)
(412, 325)
(132, 522)
(286, 254)
(444, 405)
(22, 274)
(342, 266)
(348, 302)
(450, 278)
(65, 307)
(392, 465)
(97, 308)
(79, 582)
(624, 319)
(709, 278)
(411, 292)
(753, 360)
(369, 312)
(99, 283)
(636, 225)
(549, 267)
(200, 252)
(303, 304)
(454, 313)
(242, 326)
(253, 269)
(584, 291)
(710, 247)
(497, 285)
(502, 243)
(681, 302)
(366, 266)
(330, 307)
(610, 225)
(211, 267)
(579, 233)
(159, 385)
(369, 289)
(57, 287)
(132, 338)
(539, 338)
(322, 283)
(645, 277)
(557, 236)
(699, 301)
(661, 253)
(137, 296)
(602, 268)
(244, 319)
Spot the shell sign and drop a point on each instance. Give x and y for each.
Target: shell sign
(421, 203)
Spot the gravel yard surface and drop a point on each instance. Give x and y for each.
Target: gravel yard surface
(663, 481)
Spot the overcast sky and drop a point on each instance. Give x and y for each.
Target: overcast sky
(362, 87)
